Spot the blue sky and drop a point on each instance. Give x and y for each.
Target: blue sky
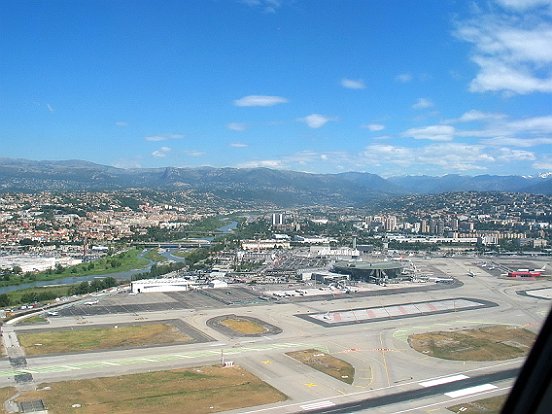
(383, 86)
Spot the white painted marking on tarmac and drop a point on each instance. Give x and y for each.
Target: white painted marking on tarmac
(110, 363)
(440, 403)
(217, 345)
(315, 406)
(470, 390)
(445, 380)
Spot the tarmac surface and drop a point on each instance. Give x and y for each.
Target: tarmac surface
(385, 366)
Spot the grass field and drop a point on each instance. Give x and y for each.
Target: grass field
(112, 264)
(155, 256)
(491, 405)
(244, 326)
(5, 393)
(57, 291)
(488, 343)
(191, 391)
(334, 367)
(92, 339)
(37, 319)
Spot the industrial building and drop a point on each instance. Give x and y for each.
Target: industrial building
(380, 272)
(160, 285)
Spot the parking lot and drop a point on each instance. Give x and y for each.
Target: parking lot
(160, 302)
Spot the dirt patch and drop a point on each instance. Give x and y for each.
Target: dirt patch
(99, 338)
(233, 325)
(491, 405)
(329, 365)
(5, 394)
(192, 391)
(487, 343)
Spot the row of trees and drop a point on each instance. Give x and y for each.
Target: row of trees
(94, 286)
(41, 295)
(158, 269)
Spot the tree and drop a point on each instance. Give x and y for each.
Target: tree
(17, 269)
(4, 300)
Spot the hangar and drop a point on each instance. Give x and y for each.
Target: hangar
(160, 285)
(378, 272)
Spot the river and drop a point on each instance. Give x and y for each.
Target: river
(126, 275)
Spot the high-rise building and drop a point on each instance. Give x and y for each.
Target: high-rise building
(277, 219)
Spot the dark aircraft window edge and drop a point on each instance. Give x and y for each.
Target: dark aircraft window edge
(532, 391)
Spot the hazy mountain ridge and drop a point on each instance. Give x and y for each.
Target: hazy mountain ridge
(250, 184)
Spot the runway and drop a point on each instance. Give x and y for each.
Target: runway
(378, 347)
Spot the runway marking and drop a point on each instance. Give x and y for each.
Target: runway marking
(310, 385)
(376, 313)
(470, 390)
(157, 358)
(445, 380)
(318, 405)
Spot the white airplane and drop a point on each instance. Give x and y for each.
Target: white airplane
(471, 274)
(92, 302)
(52, 313)
(441, 279)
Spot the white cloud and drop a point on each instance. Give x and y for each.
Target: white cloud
(517, 142)
(475, 115)
(195, 154)
(352, 83)
(161, 152)
(261, 163)
(374, 127)
(238, 145)
(422, 103)
(163, 137)
(495, 76)
(540, 124)
(237, 126)
(127, 163)
(521, 5)
(260, 100)
(316, 120)
(509, 155)
(432, 133)
(404, 77)
(436, 158)
(267, 6)
(513, 50)
(545, 164)
(121, 124)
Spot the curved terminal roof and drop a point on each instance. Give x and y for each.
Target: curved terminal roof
(369, 265)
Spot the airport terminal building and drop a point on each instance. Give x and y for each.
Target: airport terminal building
(378, 272)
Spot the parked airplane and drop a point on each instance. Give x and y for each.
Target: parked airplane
(471, 274)
(92, 302)
(524, 273)
(441, 279)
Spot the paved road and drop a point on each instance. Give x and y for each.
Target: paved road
(379, 349)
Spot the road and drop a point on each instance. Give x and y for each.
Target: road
(388, 372)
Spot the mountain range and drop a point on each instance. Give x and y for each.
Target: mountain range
(251, 184)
